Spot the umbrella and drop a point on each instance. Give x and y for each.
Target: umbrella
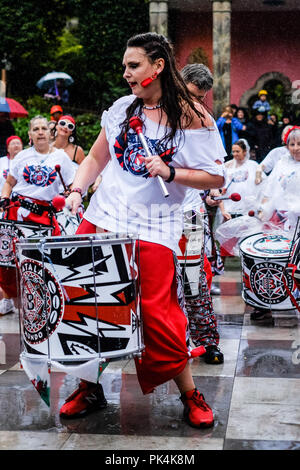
(49, 79)
(12, 107)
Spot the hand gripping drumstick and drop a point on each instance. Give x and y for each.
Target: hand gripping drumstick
(57, 168)
(136, 124)
(234, 197)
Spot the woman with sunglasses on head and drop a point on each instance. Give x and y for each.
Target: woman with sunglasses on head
(31, 185)
(65, 138)
(187, 151)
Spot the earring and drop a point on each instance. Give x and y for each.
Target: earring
(71, 139)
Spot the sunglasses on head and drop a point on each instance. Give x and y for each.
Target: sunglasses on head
(69, 125)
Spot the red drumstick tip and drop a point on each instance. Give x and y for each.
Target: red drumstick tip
(57, 167)
(58, 202)
(136, 124)
(251, 213)
(235, 197)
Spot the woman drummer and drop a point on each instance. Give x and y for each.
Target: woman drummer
(187, 151)
(65, 138)
(31, 185)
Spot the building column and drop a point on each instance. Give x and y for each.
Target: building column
(158, 16)
(221, 54)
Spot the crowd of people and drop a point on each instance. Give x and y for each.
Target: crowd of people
(257, 124)
(197, 158)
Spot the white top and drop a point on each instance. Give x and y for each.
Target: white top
(283, 188)
(36, 175)
(242, 181)
(272, 158)
(4, 170)
(129, 200)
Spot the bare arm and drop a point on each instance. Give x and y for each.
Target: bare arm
(8, 186)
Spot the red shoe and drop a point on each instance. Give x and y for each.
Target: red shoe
(197, 412)
(88, 397)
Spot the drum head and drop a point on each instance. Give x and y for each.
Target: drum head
(266, 245)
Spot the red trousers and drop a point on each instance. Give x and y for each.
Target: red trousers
(164, 323)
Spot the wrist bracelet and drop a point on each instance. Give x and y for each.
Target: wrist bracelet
(172, 174)
(76, 190)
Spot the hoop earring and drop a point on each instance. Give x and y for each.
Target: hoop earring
(71, 139)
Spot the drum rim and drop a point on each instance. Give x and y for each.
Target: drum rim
(267, 256)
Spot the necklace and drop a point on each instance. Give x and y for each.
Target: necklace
(157, 106)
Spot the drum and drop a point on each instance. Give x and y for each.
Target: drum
(68, 222)
(190, 252)
(80, 298)
(293, 267)
(264, 277)
(15, 230)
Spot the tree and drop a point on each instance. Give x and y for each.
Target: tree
(103, 30)
(28, 39)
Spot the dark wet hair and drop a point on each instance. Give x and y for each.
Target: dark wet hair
(175, 94)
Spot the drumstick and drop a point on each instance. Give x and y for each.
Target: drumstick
(136, 124)
(234, 197)
(57, 168)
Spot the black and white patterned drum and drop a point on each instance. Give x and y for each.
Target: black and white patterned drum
(68, 222)
(293, 267)
(80, 298)
(190, 253)
(11, 230)
(264, 278)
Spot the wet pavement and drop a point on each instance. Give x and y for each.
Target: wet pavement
(254, 394)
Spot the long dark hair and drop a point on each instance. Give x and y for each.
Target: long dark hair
(175, 100)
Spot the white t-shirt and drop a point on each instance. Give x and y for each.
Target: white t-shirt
(242, 181)
(272, 158)
(36, 175)
(4, 170)
(283, 187)
(129, 200)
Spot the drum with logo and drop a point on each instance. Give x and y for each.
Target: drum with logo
(190, 252)
(80, 298)
(11, 230)
(264, 277)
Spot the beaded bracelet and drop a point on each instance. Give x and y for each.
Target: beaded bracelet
(76, 190)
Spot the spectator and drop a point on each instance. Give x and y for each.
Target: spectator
(56, 113)
(58, 93)
(261, 134)
(229, 127)
(262, 101)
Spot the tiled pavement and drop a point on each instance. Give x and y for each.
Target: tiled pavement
(255, 394)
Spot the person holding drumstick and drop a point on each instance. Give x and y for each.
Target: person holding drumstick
(31, 185)
(186, 151)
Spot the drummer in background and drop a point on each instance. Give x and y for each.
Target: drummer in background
(31, 185)
(14, 145)
(202, 318)
(188, 152)
(281, 196)
(65, 139)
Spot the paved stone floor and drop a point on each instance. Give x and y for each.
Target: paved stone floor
(255, 394)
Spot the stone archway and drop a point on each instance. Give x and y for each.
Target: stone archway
(260, 84)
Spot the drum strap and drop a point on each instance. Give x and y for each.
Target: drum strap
(34, 207)
(293, 300)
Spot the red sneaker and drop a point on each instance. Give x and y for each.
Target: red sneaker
(197, 412)
(88, 397)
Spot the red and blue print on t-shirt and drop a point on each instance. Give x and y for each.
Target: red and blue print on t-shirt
(131, 154)
(39, 175)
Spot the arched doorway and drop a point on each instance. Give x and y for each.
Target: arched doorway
(279, 88)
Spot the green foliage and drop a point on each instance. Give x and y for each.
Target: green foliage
(87, 130)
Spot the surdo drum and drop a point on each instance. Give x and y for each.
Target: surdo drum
(190, 252)
(80, 298)
(264, 277)
(12, 231)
